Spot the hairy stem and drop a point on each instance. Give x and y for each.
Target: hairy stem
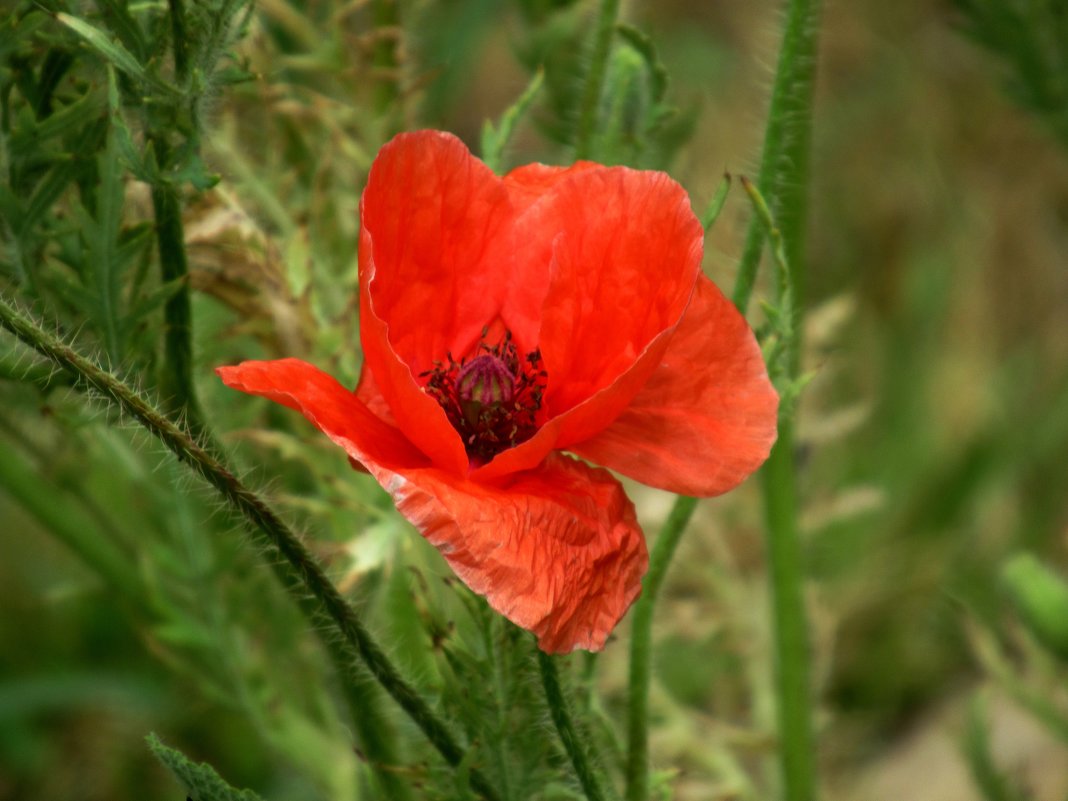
(176, 381)
(268, 529)
(591, 91)
(641, 648)
(785, 564)
(561, 715)
(178, 34)
(783, 181)
(783, 177)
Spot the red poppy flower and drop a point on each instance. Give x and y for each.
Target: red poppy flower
(507, 319)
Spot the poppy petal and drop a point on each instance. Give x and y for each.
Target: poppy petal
(624, 259)
(435, 225)
(525, 295)
(367, 392)
(529, 183)
(622, 270)
(706, 418)
(334, 410)
(556, 550)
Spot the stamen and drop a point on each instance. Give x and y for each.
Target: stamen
(492, 399)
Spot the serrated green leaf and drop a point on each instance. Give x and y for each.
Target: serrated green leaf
(200, 779)
(46, 194)
(115, 53)
(191, 170)
(124, 26)
(1041, 599)
(155, 299)
(103, 243)
(29, 133)
(11, 211)
(74, 294)
(14, 31)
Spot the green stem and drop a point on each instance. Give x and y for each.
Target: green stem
(641, 648)
(561, 716)
(591, 92)
(181, 55)
(306, 574)
(387, 88)
(785, 564)
(783, 177)
(783, 181)
(176, 382)
(374, 732)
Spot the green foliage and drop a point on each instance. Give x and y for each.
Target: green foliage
(201, 780)
(992, 782)
(1041, 599)
(495, 138)
(636, 122)
(640, 126)
(1031, 38)
(212, 154)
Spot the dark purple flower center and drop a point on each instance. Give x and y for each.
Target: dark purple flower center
(491, 398)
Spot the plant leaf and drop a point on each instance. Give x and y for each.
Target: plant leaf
(200, 779)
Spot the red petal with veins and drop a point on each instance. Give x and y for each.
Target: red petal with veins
(648, 375)
(706, 419)
(556, 550)
(435, 223)
(531, 182)
(624, 254)
(334, 410)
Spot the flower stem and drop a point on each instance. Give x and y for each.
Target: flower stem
(561, 716)
(176, 381)
(306, 574)
(641, 648)
(785, 564)
(591, 92)
(783, 182)
(783, 177)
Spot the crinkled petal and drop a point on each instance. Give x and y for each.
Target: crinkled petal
(334, 410)
(556, 550)
(706, 418)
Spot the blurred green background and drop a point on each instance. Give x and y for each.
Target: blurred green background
(934, 433)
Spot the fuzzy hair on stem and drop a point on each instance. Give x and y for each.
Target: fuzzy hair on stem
(268, 529)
